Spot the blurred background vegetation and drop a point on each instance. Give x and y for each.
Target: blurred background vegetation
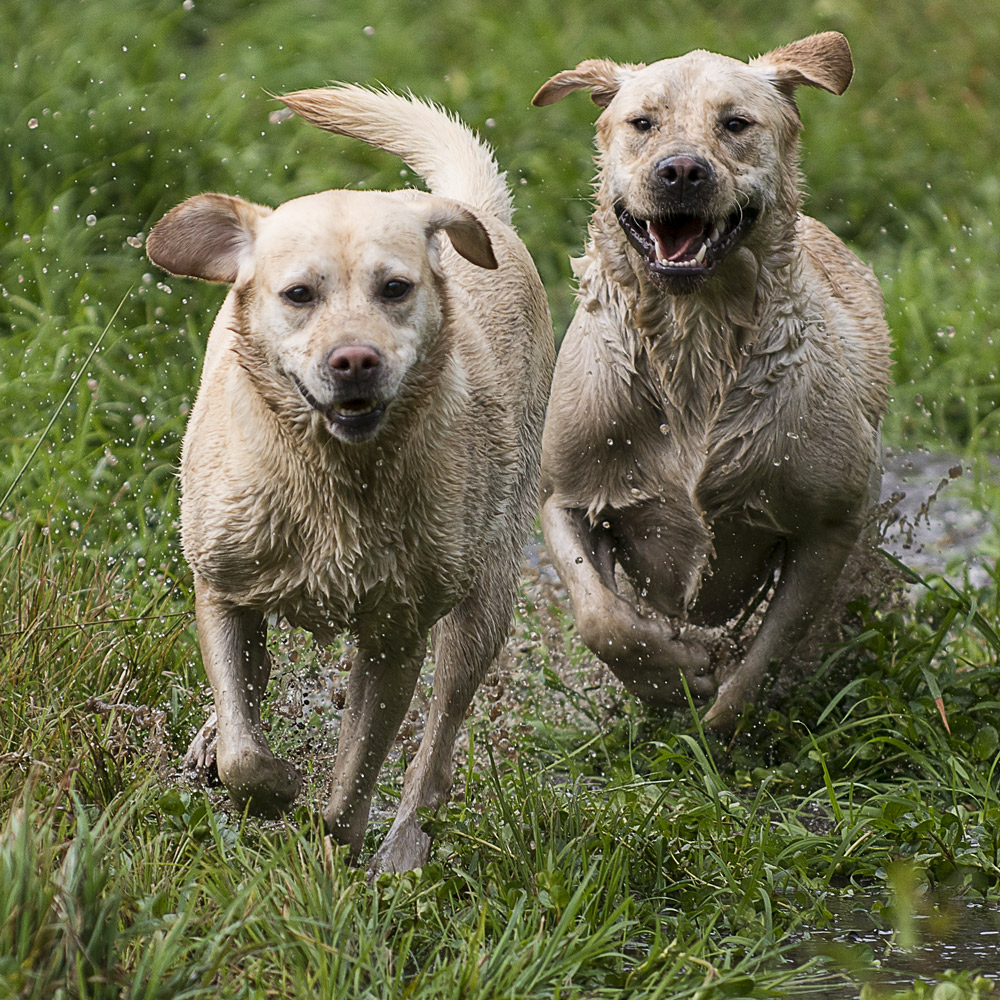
(602, 848)
(114, 114)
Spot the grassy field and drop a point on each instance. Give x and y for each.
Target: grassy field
(592, 849)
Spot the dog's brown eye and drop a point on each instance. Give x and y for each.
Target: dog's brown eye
(299, 295)
(737, 124)
(396, 288)
(641, 124)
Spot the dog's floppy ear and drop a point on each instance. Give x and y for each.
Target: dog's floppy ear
(822, 60)
(601, 76)
(206, 236)
(467, 234)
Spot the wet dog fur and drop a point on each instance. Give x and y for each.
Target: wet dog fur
(715, 412)
(363, 453)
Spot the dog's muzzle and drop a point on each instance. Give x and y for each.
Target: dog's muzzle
(349, 417)
(684, 249)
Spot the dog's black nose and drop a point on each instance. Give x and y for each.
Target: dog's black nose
(684, 175)
(354, 362)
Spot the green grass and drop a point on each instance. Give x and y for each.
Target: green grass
(592, 849)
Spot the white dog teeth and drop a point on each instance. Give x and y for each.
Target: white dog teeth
(355, 411)
(663, 259)
(657, 250)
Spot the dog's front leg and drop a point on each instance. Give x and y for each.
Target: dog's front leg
(383, 676)
(234, 650)
(466, 642)
(643, 653)
(809, 573)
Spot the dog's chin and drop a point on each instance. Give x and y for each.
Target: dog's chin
(681, 251)
(349, 419)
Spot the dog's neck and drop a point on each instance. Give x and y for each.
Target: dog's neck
(696, 344)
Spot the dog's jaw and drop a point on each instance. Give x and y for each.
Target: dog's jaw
(681, 251)
(352, 420)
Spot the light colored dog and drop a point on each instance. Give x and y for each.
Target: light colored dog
(363, 453)
(717, 400)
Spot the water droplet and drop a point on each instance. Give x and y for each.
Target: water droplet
(134, 241)
(91, 220)
(611, 441)
(32, 123)
(368, 30)
(664, 429)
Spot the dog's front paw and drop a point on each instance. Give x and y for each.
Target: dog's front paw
(654, 664)
(405, 848)
(723, 714)
(735, 693)
(258, 781)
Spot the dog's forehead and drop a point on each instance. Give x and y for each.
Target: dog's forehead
(359, 224)
(698, 78)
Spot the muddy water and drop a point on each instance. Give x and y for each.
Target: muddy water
(957, 934)
(949, 533)
(940, 529)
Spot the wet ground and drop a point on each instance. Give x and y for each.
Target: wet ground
(937, 529)
(954, 934)
(941, 529)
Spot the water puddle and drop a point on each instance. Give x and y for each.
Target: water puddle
(957, 935)
(941, 529)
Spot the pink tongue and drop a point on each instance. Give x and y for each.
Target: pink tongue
(676, 241)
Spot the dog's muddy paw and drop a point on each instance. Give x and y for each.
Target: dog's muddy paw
(701, 685)
(724, 713)
(260, 782)
(722, 716)
(656, 672)
(405, 848)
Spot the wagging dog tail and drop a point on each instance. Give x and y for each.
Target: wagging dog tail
(448, 155)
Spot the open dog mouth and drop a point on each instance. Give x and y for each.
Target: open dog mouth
(685, 246)
(353, 418)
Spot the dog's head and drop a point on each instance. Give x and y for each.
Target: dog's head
(341, 292)
(698, 153)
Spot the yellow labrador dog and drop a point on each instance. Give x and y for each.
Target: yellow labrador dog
(716, 406)
(363, 453)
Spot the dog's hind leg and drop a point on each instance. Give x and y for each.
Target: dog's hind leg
(379, 690)
(643, 652)
(234, 650)
(466, 642)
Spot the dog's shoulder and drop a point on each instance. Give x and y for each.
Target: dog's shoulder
(855, 312)
(848, 278)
